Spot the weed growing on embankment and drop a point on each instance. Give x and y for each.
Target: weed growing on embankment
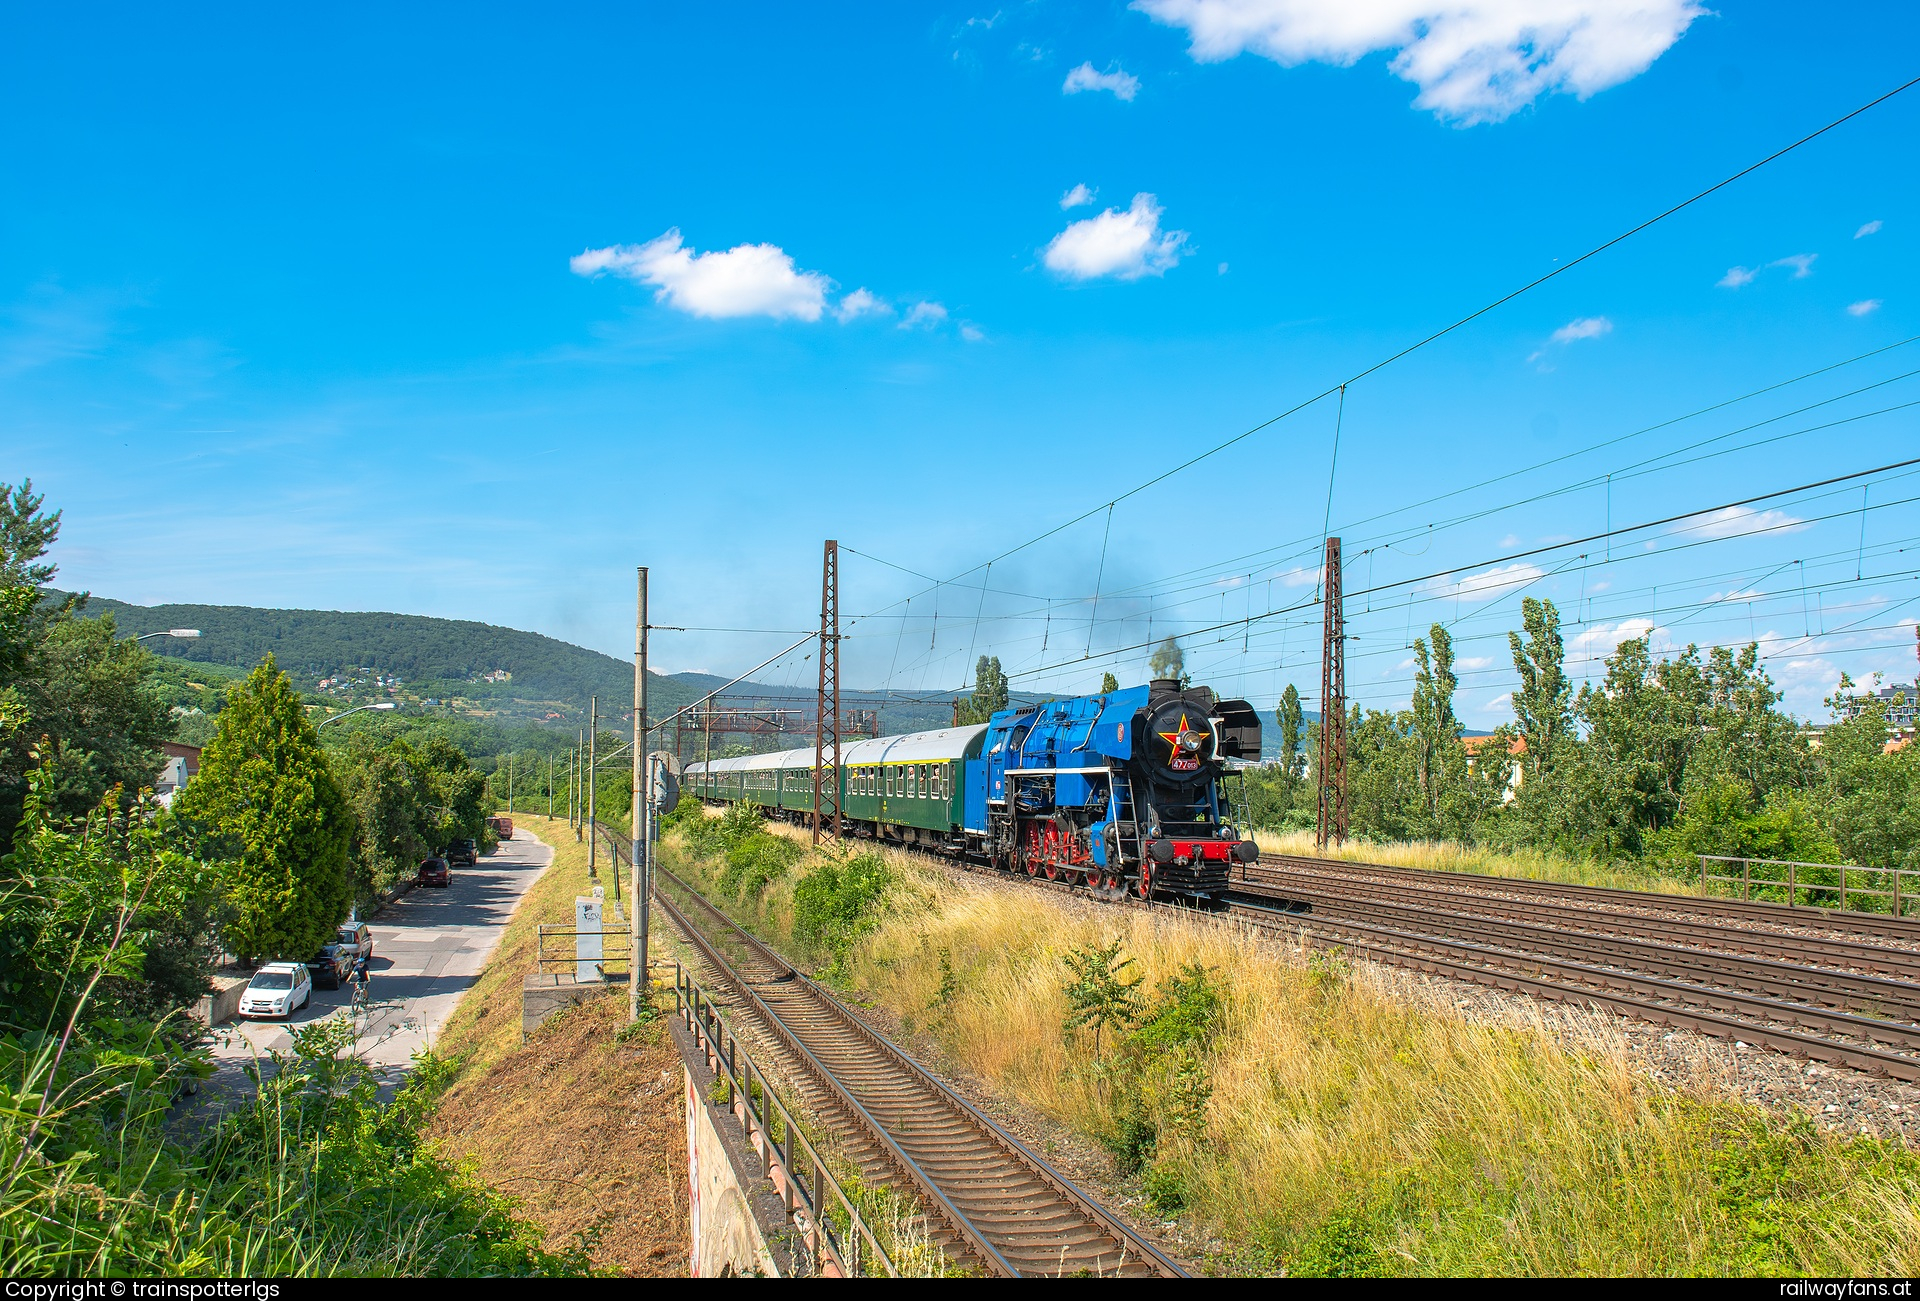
(1305, 1112)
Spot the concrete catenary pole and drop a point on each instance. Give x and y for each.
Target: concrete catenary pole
(642, 820)
(593, 805)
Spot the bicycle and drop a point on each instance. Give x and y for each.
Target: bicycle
(362, 997)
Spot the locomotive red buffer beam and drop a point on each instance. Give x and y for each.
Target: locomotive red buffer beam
(1202, 851)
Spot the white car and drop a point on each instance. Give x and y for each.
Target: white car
(277, 989)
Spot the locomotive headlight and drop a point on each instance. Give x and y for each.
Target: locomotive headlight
(1192, 741)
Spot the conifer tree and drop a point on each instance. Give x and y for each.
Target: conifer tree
(268, 797)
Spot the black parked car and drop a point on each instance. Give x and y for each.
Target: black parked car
(463, 853)
(434, 872)
(331, 966)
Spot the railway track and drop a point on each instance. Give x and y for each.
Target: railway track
(992, 1201)
(1666, 924)
(1906, 929)
(1829, 998)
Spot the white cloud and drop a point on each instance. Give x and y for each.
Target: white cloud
(1863, 307)
(1737, 520)
(861, 303)
(1586, 327)
(1076, 197)
(1509, 541)
(1125, 245)
(1736, 277)
(1500, 704)
(1489, 583)
(1223, 268)
(746, 280)
(1474, 662)
(923, 316)
(1473, 60)
(986, 23)
(971, 332)
(1868, 229)
(1802, 264)
(1123, 85)
(1299, 576)
(1597, 641)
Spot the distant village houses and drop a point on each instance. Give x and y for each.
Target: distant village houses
(1476, 746)
(179, 765)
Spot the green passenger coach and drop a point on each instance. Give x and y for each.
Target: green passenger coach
(909, 789)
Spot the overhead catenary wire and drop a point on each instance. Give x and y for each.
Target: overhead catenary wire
(1455, 325)
(1558, 546)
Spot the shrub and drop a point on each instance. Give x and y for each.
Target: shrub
(839, 901)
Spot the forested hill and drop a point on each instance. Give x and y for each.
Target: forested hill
(314, 644)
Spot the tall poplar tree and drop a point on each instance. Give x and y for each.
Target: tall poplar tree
(1543, 704)
(1436, 730)
(268, 798)
(1292, 762)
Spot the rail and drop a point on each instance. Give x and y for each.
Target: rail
(807, 1186)
(1795, 883)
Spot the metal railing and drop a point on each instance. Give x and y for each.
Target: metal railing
(1836, 882)
(813, 1197)
(615, 958)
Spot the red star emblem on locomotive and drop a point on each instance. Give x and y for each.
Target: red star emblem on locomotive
(1176, 759)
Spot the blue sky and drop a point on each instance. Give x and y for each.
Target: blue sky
(468, 311)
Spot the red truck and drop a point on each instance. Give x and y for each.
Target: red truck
(502, 827)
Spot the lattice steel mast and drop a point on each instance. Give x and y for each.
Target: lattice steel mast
(826, 731)
(1331, 765)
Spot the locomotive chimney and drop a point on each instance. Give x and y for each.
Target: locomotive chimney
(1168, 685)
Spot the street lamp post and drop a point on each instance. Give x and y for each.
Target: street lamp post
(358, 709)
(170, 632)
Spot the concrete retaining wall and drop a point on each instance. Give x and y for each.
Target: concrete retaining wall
(223, 1003)
(545, 992)
(738, 1224)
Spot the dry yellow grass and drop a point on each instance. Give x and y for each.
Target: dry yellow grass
(1353, 1128)
(1452, 856)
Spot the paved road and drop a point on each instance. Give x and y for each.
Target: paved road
(428, 948)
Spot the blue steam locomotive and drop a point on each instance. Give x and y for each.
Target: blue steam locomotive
(1115, 793)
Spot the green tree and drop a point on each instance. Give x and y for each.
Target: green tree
(989, 691)
(1108, 684)
(97, 722)
(459, 792)
(1289, 716)
(1440, 762)
(1168, 661)
(395, 813)
(1871, 797)
(77, 701)
(1685, 739)
(268, 797)
(1542, 704)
